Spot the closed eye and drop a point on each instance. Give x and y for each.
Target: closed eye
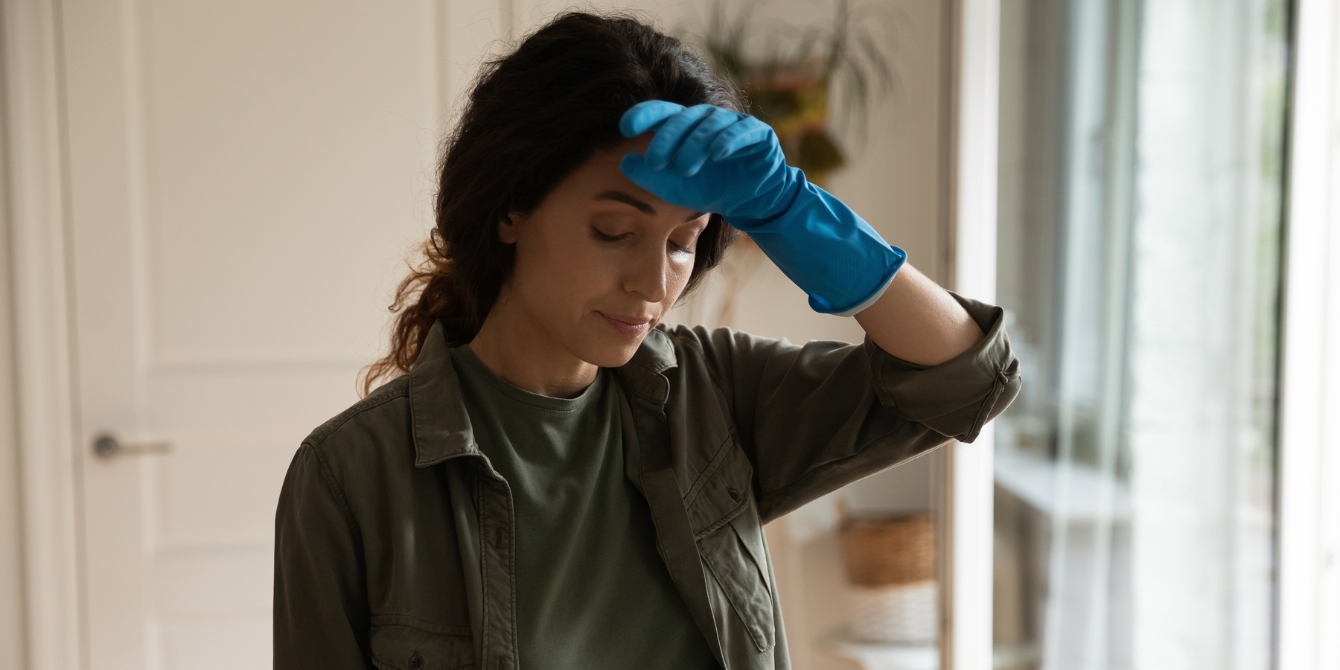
(600, 235)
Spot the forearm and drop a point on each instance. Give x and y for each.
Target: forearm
(918, 321)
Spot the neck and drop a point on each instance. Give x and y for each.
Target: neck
(514, 346)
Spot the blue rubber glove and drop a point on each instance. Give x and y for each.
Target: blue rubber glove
(711, 159)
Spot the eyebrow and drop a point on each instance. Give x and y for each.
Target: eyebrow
(641, 206)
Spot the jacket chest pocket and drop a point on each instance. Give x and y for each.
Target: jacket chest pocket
(730, 539)
(399, 646)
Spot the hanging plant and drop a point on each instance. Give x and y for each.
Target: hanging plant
(788, 83)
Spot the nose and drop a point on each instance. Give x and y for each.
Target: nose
(648, 275)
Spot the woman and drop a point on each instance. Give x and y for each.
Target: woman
(561, 481)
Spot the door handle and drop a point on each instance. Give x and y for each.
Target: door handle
(106, 445)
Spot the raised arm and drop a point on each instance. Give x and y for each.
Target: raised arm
(814, 417)
(718, 160)
(918, 321)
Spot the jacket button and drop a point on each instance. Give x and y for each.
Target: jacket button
(734, 494)
(415, 661)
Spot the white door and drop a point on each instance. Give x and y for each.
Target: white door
(246, 181)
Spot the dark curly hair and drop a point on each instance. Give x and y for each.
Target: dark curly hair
(533, 117)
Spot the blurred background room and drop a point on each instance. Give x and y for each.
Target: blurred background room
(207, 206)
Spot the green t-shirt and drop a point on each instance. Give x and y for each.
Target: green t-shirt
(591, 588)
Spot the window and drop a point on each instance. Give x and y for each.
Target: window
(1140, 182)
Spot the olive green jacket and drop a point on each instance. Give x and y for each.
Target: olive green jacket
(395, 537)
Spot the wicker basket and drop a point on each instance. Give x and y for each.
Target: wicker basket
(889, 551)
(900, 614)
(890, 562)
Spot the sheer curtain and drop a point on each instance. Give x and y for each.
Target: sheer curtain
(1140, 181)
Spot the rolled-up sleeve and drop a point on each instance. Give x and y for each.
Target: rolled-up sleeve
(955, 398)
(815, 417)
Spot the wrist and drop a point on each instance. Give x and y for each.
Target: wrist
(828, 250)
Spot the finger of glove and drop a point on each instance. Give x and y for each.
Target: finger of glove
(740, 138)
(672, 133)
(692, 154)
(646, 115)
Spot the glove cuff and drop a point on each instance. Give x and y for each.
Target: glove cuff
(827, 249)
(823, 307)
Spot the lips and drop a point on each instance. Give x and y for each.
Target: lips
(630, 326)
(630, 320)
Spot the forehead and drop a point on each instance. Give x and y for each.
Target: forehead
(605, 162)
(601, 174)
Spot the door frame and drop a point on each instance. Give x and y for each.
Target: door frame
(965, 473)
(42, 326)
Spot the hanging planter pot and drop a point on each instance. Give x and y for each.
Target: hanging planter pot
(792, 97)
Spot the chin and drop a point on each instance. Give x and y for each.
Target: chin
(607, 350)
(613, 355)
(603, 346)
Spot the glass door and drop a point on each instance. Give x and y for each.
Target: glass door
(1140, 180)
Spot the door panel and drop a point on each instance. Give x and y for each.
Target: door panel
(247, 179)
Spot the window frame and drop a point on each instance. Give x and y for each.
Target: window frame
(1308, 544)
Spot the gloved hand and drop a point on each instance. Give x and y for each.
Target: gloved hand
(711, 159)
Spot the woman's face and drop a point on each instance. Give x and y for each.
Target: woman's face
(600, 261)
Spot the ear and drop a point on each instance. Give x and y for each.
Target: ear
(507, 228)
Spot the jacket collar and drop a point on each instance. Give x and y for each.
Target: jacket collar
(439, 419)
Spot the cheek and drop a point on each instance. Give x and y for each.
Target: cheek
(679, 274)
(560, 273)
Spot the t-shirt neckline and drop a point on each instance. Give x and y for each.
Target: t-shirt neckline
(477, 368)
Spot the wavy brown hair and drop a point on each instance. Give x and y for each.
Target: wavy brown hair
(533, 117)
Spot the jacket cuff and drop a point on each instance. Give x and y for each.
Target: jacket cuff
(955, 398)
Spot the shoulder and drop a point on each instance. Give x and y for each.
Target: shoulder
(349, 461)
(732, 360)
(732, 352)
(717, 346)
(379, 421)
